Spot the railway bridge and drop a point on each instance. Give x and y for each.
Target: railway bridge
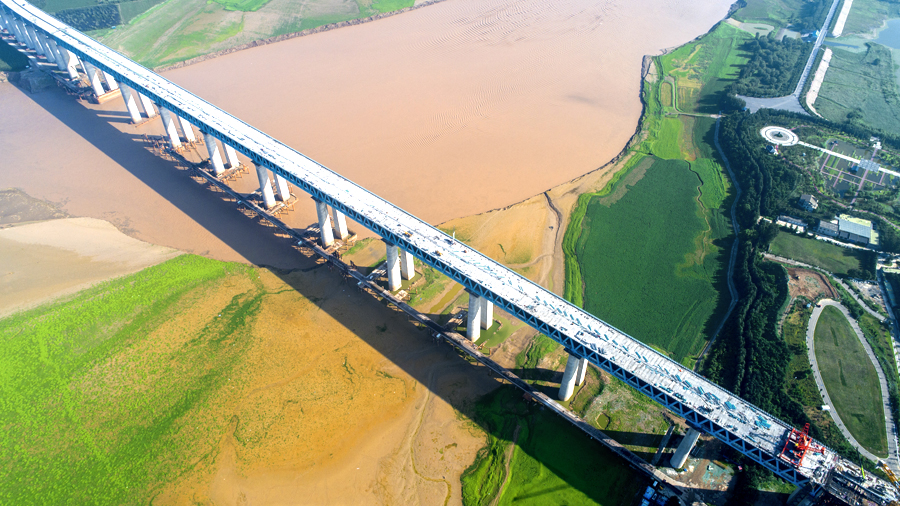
(706, 407)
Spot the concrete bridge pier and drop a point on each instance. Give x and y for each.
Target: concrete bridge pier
(71, 64)
(149, 109)
(407, 264)
(582, 371)
(215, 157)
(169, 125)
(282, 190)
(684, 449)
(35, 43)
(235, 162)
(265, 188)
(110, 81)
(187, 129)
(393, 267)
(94, 77)
(473, 323)
(19, 30)
(60, 55)
(325, 232)
(487, 313)
(340, 223)
(48, 53)
(570, 377)
(131, 104)
(26, 35)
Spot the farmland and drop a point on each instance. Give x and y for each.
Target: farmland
(549, 455)
(850, 379)
(649, 238)
(824, 255)
(176, 31)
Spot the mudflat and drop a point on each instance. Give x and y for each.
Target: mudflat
(42, 261)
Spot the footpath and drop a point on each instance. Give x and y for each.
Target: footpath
(893, 460)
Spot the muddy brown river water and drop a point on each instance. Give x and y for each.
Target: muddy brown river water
(449, 110)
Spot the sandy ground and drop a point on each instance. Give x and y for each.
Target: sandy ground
(809, 284)
(43, 261)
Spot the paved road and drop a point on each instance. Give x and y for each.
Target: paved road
(894, 458)
(792, 102)
(776, 258)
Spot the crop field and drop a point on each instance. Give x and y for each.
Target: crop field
(850, 379)
(645, 266)
(862, 84)
(546, 449)
(825, 255)
(704, 69)
(179, 30)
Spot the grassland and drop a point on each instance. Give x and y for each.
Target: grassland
(824, 255)
(850, 379)
(175, 31)
(551, 462)
(80, 429)
(862, 84)
(11, 59)
(774, 12)
(867, 15)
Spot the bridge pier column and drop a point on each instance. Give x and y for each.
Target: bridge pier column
(131, 104)
(48, 53)
(19, 28)
(60, 55)
(325, 232)
(340, 223)
(393, 267)
(567, 387)
(71, 64)
(233, 160)
(187, 129)
(110, 81)
(169, 126)
(487, 313)
(13, 28)
(582, 371)
(684, 449)
(215, 157)
(148, 105)
(35, 43)
(265, 188)
(473, 324)
(26, 37)
(94, 77)
(407, 264)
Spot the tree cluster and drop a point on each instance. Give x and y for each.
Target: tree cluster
(93, 17)
(774, 67)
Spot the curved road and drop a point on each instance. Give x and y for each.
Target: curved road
(893, 459)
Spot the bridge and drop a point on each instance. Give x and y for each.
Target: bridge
(705, 406)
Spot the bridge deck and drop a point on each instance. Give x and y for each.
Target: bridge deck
(705, 405)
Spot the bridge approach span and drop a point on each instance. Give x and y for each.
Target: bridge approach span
(704, 405)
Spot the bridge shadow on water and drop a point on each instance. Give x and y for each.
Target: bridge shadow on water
(503, 413)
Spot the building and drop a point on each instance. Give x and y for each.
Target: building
(854, 231)
(809, 202)
(791, 222)
(827, 228)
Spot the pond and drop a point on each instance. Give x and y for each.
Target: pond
(890, 36)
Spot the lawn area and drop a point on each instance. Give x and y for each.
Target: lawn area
(704, 69)
(81, 425)
(552, 462)
(863, 84)
(850, 379)
(647, 235)
(824, 255)
(11, 59)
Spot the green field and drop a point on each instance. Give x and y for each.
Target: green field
(547, 449)
(863, 84)
(824, 255)
(80, 424)
(703, 70)
(11, 59)
(866, 15)
(650, 240)
(851, 380)
(179, 30)
(773, 12)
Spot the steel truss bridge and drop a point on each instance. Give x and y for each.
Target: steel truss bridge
(704, 405)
